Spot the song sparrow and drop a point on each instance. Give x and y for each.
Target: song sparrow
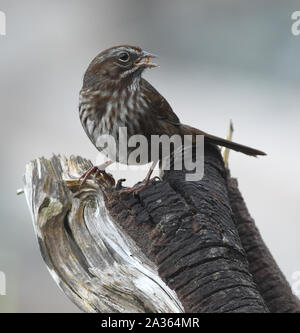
(115, 95)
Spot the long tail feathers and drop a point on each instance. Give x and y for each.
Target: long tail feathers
(188, 130)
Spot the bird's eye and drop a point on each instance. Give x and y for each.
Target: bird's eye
(124, 56)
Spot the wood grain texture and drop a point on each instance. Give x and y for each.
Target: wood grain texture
(92, 260)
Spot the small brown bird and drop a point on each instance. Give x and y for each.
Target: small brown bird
(115, 95)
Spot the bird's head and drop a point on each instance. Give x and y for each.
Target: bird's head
(118, 63)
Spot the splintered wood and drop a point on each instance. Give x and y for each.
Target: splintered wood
(97, 265)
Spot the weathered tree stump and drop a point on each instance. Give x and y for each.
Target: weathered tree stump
(178, 246)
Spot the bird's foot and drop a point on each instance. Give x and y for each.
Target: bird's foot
(97, 170)
(135, 190)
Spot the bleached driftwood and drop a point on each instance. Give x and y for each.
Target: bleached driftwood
(94, 262)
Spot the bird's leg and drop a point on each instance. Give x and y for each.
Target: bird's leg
(97, 168)
(143, 184)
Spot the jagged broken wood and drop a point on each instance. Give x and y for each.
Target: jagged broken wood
(89, 256)
(177, 246)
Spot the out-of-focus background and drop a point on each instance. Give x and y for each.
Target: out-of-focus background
(220, 60)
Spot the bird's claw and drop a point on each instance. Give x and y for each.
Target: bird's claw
(97, 171)
(119, 184)
(135, 190)
(155, 179)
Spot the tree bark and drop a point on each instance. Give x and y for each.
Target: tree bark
(271, 282)
(177, 246)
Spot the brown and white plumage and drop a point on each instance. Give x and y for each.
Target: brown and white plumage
(115, 95)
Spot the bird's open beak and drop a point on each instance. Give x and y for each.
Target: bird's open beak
(144, 60)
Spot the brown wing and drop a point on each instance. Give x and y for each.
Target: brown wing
(158, 105)
(161, 109)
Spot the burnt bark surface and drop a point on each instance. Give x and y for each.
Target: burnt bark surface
(188, 230)
(271, 283)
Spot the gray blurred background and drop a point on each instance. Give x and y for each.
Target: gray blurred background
(220, 60)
